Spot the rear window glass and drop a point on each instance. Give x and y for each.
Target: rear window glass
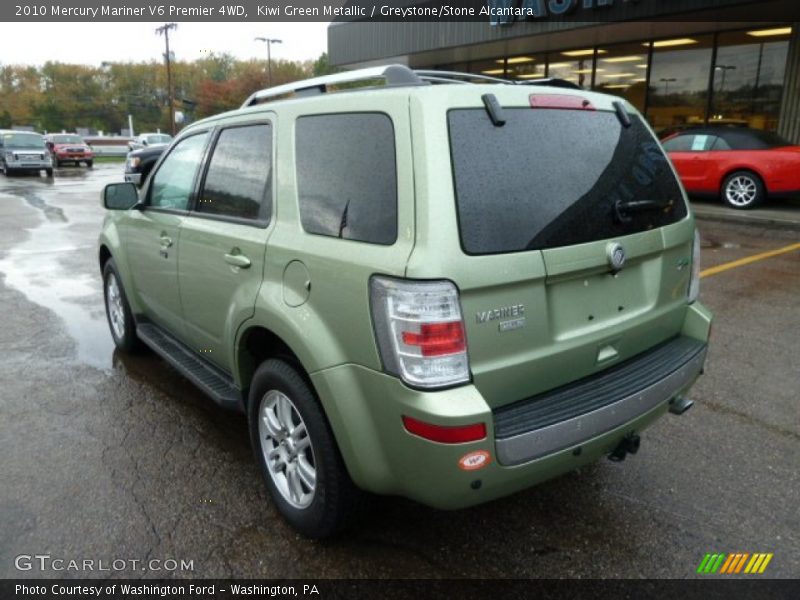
(347, 176)
(553, 177)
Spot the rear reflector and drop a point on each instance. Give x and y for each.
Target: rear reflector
(445, 435)
(562, 101)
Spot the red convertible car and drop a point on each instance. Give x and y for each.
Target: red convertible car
(742, 165)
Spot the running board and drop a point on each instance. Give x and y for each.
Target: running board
(211, 380)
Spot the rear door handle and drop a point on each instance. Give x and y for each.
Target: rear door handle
(166, 241)
(238, 260)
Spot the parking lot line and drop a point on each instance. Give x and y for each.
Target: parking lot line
(748, 259)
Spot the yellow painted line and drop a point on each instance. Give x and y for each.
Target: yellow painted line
(752, 563)
(766, 562)
(748, 259)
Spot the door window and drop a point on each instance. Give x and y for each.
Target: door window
(173, 183)
(237, 182)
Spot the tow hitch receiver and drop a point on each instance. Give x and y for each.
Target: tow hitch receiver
(628, 445)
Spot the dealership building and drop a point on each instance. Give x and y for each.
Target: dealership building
(680, 62)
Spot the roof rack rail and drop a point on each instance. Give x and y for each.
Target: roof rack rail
(393, 75)
(396, 75)
(552, 82)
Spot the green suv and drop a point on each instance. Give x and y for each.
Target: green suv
(445, 287)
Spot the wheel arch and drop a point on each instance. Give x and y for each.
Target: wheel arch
(254, 345)
(743, 167)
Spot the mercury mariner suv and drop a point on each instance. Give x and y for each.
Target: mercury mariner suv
(440, 286)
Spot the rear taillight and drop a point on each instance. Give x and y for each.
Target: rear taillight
(419, 331)
(694, 282)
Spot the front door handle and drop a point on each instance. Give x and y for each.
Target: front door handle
(238, 260)
(166, 241)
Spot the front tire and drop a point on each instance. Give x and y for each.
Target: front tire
(295, 448)
(49, 173)
(89, 164)
(118, 311)
(743, 190)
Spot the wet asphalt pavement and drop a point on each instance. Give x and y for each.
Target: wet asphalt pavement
(104, 456)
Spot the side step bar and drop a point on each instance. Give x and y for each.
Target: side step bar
(208, 378)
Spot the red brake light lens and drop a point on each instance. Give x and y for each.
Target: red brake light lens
(437, 339)
(562, 101)
(445, 435)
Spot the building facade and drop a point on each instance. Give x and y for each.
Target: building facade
(680, 63)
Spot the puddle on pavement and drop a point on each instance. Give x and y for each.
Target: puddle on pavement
(34, 267)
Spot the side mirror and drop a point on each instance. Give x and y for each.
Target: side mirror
(120, 196)
(144, 142)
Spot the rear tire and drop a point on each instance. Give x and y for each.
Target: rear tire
(118, 311)
(297, 453)
(89, 164)
(743, 190)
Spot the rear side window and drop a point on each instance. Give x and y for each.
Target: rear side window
(553, 177)
(237, 181)
(346, 176)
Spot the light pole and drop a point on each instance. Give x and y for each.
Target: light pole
(724, 69)
(164, 30)
(666, 81)
(269, 42)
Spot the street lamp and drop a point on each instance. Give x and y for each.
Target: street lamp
(269, 42)
(666, 81)
(724, 69)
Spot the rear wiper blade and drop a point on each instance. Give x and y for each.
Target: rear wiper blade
(623, 209)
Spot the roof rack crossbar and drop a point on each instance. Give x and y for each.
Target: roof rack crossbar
(392, 74)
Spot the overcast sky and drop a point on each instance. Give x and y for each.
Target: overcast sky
(93, 43)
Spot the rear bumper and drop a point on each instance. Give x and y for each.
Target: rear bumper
(568, 416)
(365, 409)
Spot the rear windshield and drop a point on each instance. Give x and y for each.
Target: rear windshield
(552, 177)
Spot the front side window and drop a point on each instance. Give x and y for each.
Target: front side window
(551, 178)
(237, 182)
(173, 183)
(347, 176)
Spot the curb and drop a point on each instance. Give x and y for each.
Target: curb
(749, 219)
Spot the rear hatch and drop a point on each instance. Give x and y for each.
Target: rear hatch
(544, 205)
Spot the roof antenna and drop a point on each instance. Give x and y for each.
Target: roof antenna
(494, 109)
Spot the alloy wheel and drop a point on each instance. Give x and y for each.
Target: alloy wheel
(741, 191)
(287, 449)
(116, 312)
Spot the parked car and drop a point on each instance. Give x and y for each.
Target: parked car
(24, 152)
(451, 315)
(139, 163)
(143, 140)
(68, 147)
(743, 166)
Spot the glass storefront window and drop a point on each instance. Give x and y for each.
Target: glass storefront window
(679, 77)
(622, 71)
(748, 77)
(529, 66)
(572, 65)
